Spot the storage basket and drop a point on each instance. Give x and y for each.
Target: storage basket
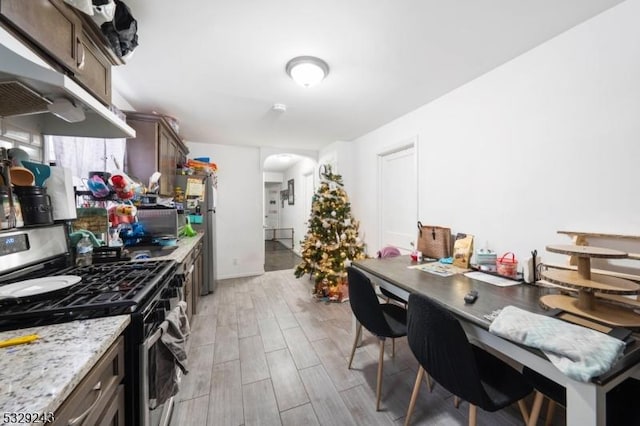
(507, 265)
(195, 219)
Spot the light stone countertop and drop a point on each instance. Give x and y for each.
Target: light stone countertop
(39, 376)
(185, 245)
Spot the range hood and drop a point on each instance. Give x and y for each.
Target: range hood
(31, 86)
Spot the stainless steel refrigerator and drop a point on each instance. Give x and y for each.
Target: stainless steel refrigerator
(200, 204)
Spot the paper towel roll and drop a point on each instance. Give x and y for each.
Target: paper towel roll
(60, 189)
(529, 269)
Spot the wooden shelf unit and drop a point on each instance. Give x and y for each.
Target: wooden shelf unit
(586, 305)
(582, 239)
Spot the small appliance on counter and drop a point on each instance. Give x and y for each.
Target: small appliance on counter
(158, 220)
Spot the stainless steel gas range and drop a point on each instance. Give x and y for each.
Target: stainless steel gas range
(145, 290)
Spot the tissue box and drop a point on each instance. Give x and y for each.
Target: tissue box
(485, 257)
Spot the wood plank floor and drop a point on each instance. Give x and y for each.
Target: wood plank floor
(277, 256)
(264, 352)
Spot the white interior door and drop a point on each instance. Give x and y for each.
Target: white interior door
(398, 208)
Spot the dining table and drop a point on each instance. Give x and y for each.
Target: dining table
(585, 402)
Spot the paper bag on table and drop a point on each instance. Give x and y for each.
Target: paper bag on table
(462, 250)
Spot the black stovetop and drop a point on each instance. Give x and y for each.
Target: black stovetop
(105, 289)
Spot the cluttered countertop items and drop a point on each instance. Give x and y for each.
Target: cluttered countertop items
(134, 222)
(177, 251)
(39, 375)
(182, 249)
(603, 298)
(115, 216)
(26, 188)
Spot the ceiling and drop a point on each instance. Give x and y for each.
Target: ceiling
(280, 162)
(219, 66)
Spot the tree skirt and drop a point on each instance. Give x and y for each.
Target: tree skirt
(337, 293)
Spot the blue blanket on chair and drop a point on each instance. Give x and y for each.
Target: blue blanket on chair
(579, 352)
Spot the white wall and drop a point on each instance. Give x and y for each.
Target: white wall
(340, 156)
(546, 142)
(296, 216)
(272, 177)
(240, 235)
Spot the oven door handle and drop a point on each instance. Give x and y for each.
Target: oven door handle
(152, 339)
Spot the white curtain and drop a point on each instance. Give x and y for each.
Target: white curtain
(84, 155)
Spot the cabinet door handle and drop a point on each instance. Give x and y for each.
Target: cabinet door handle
(81, 417)
(81, 56)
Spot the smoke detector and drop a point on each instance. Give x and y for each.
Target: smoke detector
(279, 107)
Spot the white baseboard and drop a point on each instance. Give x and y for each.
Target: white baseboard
(241, 275)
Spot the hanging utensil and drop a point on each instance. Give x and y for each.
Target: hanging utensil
(21, 176)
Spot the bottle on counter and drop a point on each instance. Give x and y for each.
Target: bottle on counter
(84, 251)
(5, 208)
(18, 212)
(10, 212)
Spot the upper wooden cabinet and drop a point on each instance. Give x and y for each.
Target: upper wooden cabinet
(156, 147)
(52, 25)
(67, 36)
(94, 64)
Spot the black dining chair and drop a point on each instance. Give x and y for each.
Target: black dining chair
(544, 387)
(381, 319)
(441, 347)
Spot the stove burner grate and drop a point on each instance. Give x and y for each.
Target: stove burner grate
(105, 289)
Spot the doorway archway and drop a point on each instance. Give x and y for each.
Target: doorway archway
(288, 186)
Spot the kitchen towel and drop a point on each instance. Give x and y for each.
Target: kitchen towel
(579, 352)
(175, 331)
(170, 351)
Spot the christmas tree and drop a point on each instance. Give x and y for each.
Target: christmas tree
(332, 240)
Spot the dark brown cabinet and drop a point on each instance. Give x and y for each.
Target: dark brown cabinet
(192, 270)
(69, 40)
(94, 69)
(99, 398)
(156, 147)
(52, 25)
(113, 414)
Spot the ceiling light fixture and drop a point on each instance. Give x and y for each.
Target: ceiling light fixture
(307, 71)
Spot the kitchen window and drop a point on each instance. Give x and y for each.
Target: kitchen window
(84, 155)
(12, 136)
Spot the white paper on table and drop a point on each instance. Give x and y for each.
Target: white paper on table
(492, 279)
